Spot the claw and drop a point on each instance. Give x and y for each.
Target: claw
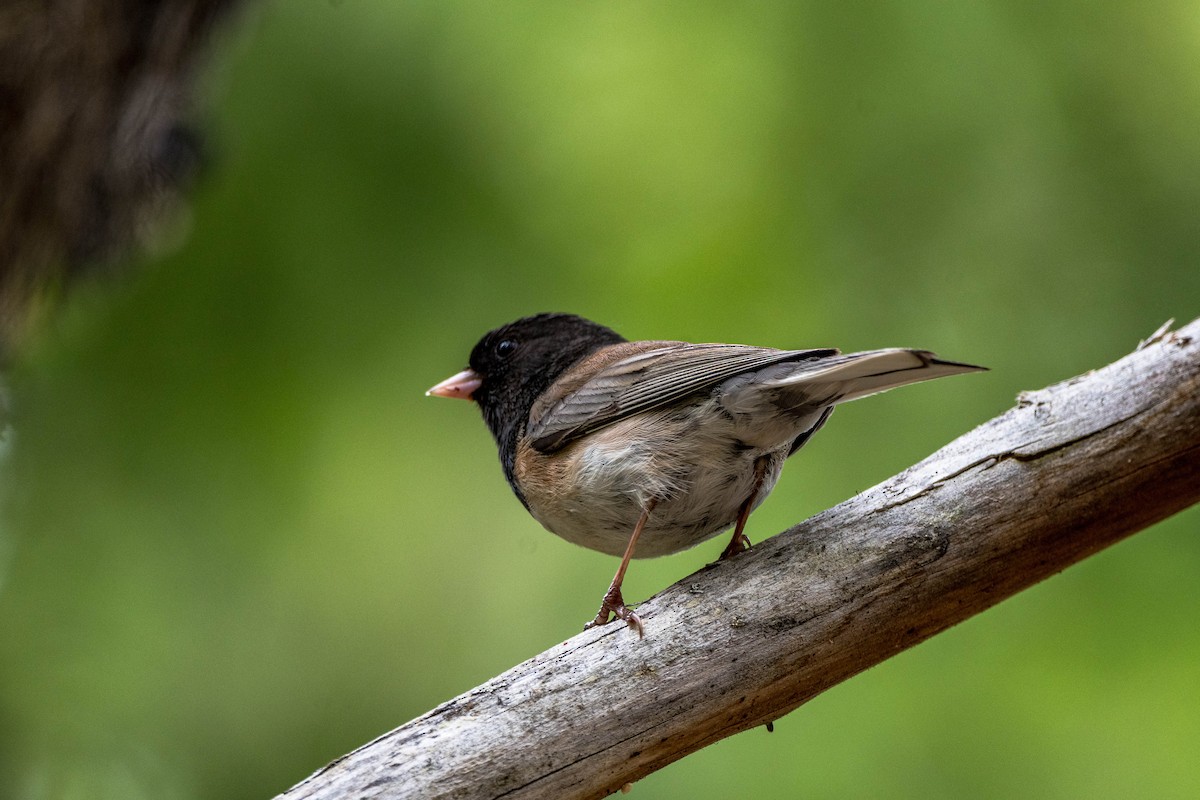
(614, 604)
(740, 543)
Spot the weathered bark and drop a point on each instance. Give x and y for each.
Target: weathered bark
(96, 140)
(1070, 470)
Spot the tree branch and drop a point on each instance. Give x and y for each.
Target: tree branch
(1070, 470)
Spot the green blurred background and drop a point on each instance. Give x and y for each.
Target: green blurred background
(238, 541)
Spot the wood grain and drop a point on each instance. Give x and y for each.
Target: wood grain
(1070, 470)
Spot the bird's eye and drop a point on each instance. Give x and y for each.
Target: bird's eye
(505, 348)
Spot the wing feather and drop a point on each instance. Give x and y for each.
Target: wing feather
(649, 380)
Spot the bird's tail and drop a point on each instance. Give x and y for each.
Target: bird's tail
(842, 378)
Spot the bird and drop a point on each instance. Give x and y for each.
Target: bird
(640, 449)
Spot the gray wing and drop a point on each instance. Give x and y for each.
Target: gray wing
(649, 380)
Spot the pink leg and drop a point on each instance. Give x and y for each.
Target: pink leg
(739, 542)
(613, 603)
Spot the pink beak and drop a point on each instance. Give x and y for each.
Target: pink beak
(462, 385)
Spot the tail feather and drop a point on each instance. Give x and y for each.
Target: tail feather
(840, 379)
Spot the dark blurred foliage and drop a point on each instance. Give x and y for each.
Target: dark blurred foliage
(95, 141)
(238, 541)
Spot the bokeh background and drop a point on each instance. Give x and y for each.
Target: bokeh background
(237, 540)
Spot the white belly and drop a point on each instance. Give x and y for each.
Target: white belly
(698, 481)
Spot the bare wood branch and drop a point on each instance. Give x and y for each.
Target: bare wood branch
(1070, 470)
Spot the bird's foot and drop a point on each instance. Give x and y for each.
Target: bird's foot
(738, 544)
(614, 604)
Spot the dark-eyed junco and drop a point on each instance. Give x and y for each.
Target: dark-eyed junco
(640, 449)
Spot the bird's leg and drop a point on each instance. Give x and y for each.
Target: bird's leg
(613, 603)
(739, 542)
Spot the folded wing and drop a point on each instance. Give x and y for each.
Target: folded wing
(653, 379)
